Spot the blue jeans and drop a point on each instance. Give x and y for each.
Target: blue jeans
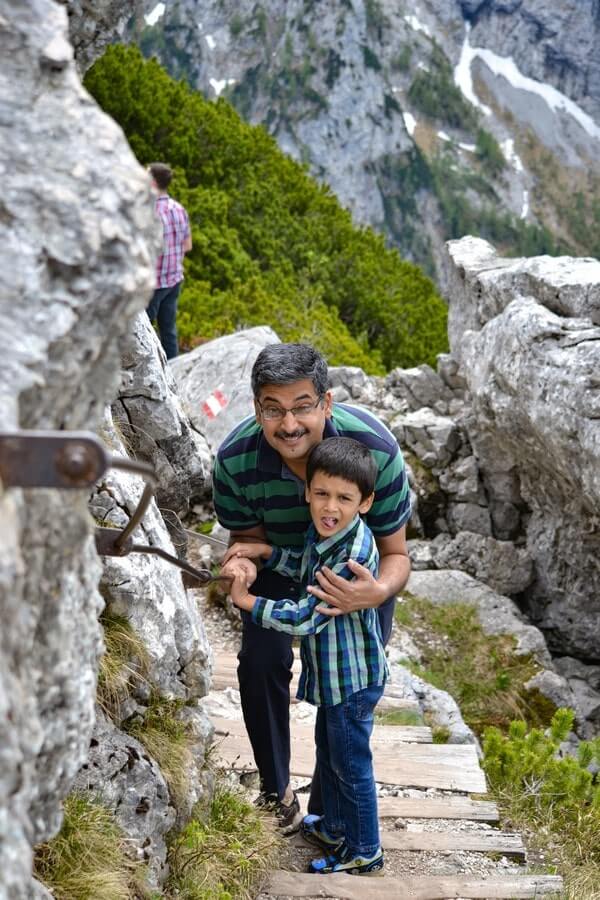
(163, 308)
(345, 765)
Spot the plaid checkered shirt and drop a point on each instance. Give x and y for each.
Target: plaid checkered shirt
(340, 654)
(176, 228)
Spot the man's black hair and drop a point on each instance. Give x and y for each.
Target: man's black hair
(287, 363)
(161, 173)
(344, 458)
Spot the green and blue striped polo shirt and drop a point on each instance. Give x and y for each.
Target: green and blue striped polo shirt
(253, 486)
(340, 654)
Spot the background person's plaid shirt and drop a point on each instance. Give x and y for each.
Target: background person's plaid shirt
(340, 654)
(176, 228)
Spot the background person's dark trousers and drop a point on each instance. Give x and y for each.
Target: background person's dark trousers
(264, 674)
(163, 308)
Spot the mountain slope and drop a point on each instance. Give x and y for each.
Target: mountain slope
(412, 113)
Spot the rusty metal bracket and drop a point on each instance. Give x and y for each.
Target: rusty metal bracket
(51, 459)
(76, 460)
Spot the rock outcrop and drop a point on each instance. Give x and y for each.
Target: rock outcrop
(527, 336)
(76, 254)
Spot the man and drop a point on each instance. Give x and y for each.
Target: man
(259, 491)
(177, 241)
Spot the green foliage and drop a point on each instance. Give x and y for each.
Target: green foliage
(482, 672)
(236, 25)
(224, 856)
(271, 246)
(556, 797)
(512, 236)
(401, 63)
(89, 859)
(399, 717)
(489, 153)
(371, 60)
(435, 94)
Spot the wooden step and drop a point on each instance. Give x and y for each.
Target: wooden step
(224, 675)
(453, 767)
(492, 841)
(435, 808)
(423, 887)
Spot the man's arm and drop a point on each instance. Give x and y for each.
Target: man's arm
(365, 591)
(249, 536)
(187, 244)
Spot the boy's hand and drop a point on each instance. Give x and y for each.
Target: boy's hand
(239, 592)
(240, 568)
(239, 550)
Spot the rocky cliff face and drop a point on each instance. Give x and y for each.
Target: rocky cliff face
(527, 336)
(75, 266)
(386, 102)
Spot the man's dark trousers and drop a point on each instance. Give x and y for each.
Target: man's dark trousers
(163, 308)
(264, 674)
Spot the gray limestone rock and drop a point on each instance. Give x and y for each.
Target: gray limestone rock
(499, 564)
(420, 387)
(94, 24)
(75, 266)
(528, 347)
(468, 517)
(213, 381)
(584, 681)
(128, 781)
(350, 384)
(149, 591)
(441, 707)
(153, 424)
(433, 438)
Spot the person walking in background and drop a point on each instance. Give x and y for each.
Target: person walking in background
(258, 489)
(177, 241)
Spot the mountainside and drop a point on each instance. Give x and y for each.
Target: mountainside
(428, 120)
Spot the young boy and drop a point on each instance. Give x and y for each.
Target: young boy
(343, 660)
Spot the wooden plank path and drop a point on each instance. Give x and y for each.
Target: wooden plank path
(453, 767)
(404, 756)
(224, 675)
(424, 887)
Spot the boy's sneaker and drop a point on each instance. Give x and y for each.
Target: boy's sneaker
(342, 860)
(288, 816)
(312, 830)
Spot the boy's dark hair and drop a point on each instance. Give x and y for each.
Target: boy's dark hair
(344, 458)
(287, 363)
(162, 174)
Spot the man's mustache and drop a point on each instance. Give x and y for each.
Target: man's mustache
(299, 432)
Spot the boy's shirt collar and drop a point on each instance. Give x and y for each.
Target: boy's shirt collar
(322, 546)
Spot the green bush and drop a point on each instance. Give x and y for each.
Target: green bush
(434, 93)
(555, 797)
(271, 246)
(487, 150)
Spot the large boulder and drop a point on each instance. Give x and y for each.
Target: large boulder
(76, 252)
(213, 381)
(527, 336)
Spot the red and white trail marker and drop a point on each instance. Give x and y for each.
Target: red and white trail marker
(214, 404)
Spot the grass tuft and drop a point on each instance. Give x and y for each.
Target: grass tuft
(89, 859)
(124, 663)
(226, 855)
(482, 672)
(168, 741)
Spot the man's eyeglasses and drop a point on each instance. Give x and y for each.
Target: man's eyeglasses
(298, 412)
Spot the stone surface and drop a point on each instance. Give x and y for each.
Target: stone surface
(94, 24)
(128, 781)
(151, 420)
(149, 591)
(499, 564)
(524, 333)
(75, 266)
(433, 438)
(221, 366)
(419, 387)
